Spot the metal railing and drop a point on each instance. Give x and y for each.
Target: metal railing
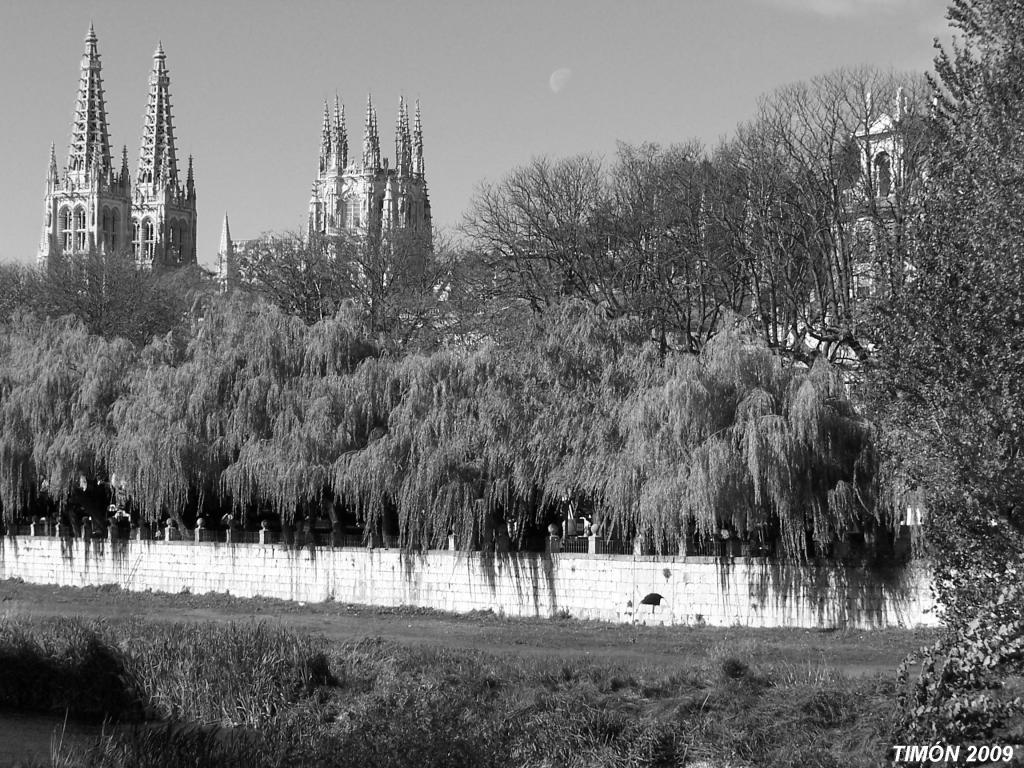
(354, 539)
(613, 547)
(578, 544)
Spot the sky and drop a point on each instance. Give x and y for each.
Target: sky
(500, 82)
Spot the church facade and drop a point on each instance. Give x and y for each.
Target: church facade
(91, 206)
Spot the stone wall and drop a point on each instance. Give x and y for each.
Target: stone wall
(749, 592)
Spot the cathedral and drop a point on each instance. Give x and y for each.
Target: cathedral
(356, 194)
(91, 206)
(360, 193)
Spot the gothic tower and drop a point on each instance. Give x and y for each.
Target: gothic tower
(363, 195)
(163, 209)
(90, 206)
(87, 205)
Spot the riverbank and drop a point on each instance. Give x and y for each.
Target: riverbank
(285, 684)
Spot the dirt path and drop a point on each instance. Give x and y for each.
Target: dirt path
(850, 652)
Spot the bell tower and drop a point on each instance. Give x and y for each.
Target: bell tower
(86, 205)
(91, 206)
(163, 209)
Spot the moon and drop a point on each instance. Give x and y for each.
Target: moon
(559, 79)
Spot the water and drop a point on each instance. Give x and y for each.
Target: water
(25, 736)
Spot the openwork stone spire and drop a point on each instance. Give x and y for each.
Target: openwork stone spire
(158, 164)
(90, 143)
(340, 133)
(326, 139)
(371, 140)
(403, 140)
(417, 144)
(93, 206)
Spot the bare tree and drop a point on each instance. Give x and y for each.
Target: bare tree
(828, 172)
(394, 282)
(108, 292)
(632, 238)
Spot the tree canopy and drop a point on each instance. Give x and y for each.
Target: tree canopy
(948, 383)
(951, 375)
(256, 408)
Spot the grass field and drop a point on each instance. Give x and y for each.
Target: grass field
(213, 680)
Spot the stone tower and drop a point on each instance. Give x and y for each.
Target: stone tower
(881, 148)
(91, 206)
(362, 194)
(163, 209)
(87, 205)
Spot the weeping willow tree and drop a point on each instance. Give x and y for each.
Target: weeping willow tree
(248, 406)
(57, 386)
(731, 438)
(734, 439)
(245, 404)
(477, 440)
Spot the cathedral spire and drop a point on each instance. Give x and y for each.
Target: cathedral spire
(226, 246)
(226, 268)
(51, 174)
(190, 181)
(125, 173)
(340, 134)
(158, 163)
(417, 144)
(403, 140)
(90, 142)
(371, 139)
(325, 140)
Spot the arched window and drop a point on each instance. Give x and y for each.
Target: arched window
(136, 239)
(66, 233)
(115, 228)
(184, 240)
(177, 243)
(883, 174)
(105, 227)
(79, 223)
(352, 212)
(173, 246)
(148, 239)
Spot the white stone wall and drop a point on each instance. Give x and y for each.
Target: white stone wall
(607, 587)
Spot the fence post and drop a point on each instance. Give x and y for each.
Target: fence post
(264, 533)
(171, 532)
(591, 544)
(200, 525)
